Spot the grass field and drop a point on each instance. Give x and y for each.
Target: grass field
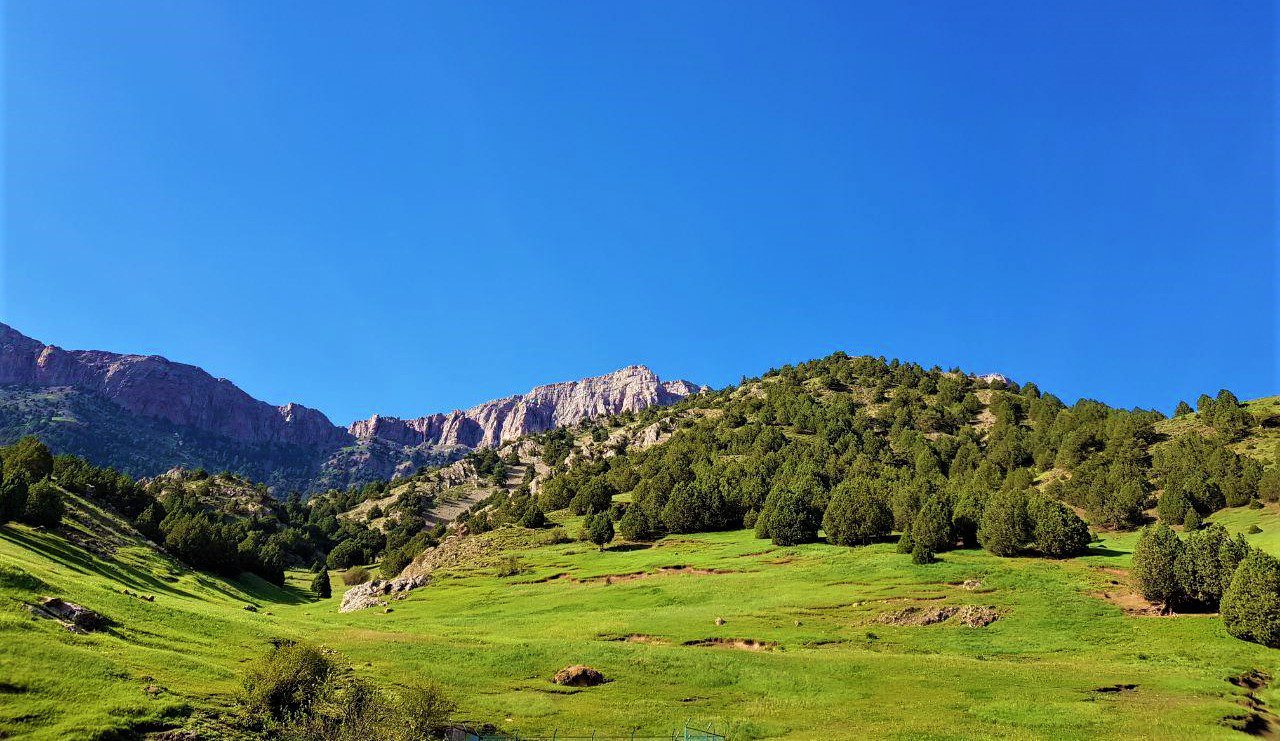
(829, 668)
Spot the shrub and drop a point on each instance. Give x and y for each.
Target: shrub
(1006, 525)
(346, 554)
(287, 681)
(920, 554)
(1154, 558)
(356, 575)
(856, 515)
(1056, 531)
(1192, 521)
(28, 459)
(393, 562)
(555, 536)
(44, 505)
(509, 565)
(320, 585)
(905, 544)
(931, 527)
(1253, 530)
(791, 519)
(1201, 564)
(1251, 606)
(533, 517)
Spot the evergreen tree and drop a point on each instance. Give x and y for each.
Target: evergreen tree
(533, 517)
(1005, 523)
(44, 505)
(920, 554)
(320, 585)
(1202, 569)
(1056, 531)
(1183, 409)
(1154, 564)
(857, 514)
(931, 528)
(791, 518)
(905, 544)
(1191, 522)
(599, 529)
(1251, 606)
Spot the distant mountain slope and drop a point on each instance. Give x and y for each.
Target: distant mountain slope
(145, 414)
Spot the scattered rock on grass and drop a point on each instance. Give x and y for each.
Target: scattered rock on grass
(973, 616)
(75, 618)
(578, 676)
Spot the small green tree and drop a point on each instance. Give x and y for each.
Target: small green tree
(29, 459)
(1056, 531)
(320, 585)
(1251, 606)
(44, 505)
(1183, 409)
(920, 554)
(792, 519)
(857, 514)
(533, 517)
(599, 529)
(1006, 525)
(346, 554)
(1191, 522)
(1154, 564)
(905, 543)
(931, 527)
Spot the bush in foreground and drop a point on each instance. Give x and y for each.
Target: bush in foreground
(296, 691)
(1251, 606)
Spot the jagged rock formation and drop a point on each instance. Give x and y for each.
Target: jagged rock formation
(630, 389)
(144, 414)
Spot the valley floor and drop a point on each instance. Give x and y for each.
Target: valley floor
(802, 651)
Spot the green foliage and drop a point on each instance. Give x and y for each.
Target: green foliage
(346, 554)
(790, 516)
(1155, 559)
(931, 527)
(1056, 531)
(1192, 521)
(44, 505)
(356, 575)
(393, 562)
(320, 585)
(1006, 525)
(1251, 606)
(1206, 563)
(13, 498)
(921, 554)
(1183, 409)
(28, 459)
(857, 514)
(598, 529)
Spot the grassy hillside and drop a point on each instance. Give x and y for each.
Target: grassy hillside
(828, 668)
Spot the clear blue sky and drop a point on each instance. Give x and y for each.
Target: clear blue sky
(411, 207)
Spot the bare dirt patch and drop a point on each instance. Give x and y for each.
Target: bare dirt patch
(742, 644)
(640, 638)
(973, 616)
(1257, 719)
(1130, 602)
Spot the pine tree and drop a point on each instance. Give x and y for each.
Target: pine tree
(931, 528)
(920, 554)
(1191, 522)
(599, 529)
(1183, 409)
(320, 585)
(1251, 606)
(1200, 566)
(1154, 564)
(856, 515)
(1005, 523)
(792, 519)
(1056, 531)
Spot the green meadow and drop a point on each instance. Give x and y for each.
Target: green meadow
(801, 651)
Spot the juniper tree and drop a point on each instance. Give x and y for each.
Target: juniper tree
(1154, 564)
(1251, 606)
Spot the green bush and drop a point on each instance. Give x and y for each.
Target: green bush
(856, 515)
(1251, 606)
(1056, 531)
(287, 681)
(1154, 564)
(346, 554)
(44, 505)
(790, 516)
(393, 562)
(356, 575)
(1006, 526)
(320, 585)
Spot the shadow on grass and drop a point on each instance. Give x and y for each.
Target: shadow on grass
(58, 550)
(626, 547)
(1100, 551)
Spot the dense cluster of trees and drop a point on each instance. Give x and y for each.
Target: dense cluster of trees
(27, 491)
(862, 447)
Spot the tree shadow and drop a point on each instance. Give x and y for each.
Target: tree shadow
(63, 553)
(626, 547)
(1094, 550)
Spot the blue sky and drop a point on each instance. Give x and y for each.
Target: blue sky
(411, 207)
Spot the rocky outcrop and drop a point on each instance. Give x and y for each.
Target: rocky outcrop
(546, 407)
(376, 592)
(151, 386)
(144, 414)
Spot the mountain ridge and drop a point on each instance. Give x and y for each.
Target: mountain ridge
(289, 445)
